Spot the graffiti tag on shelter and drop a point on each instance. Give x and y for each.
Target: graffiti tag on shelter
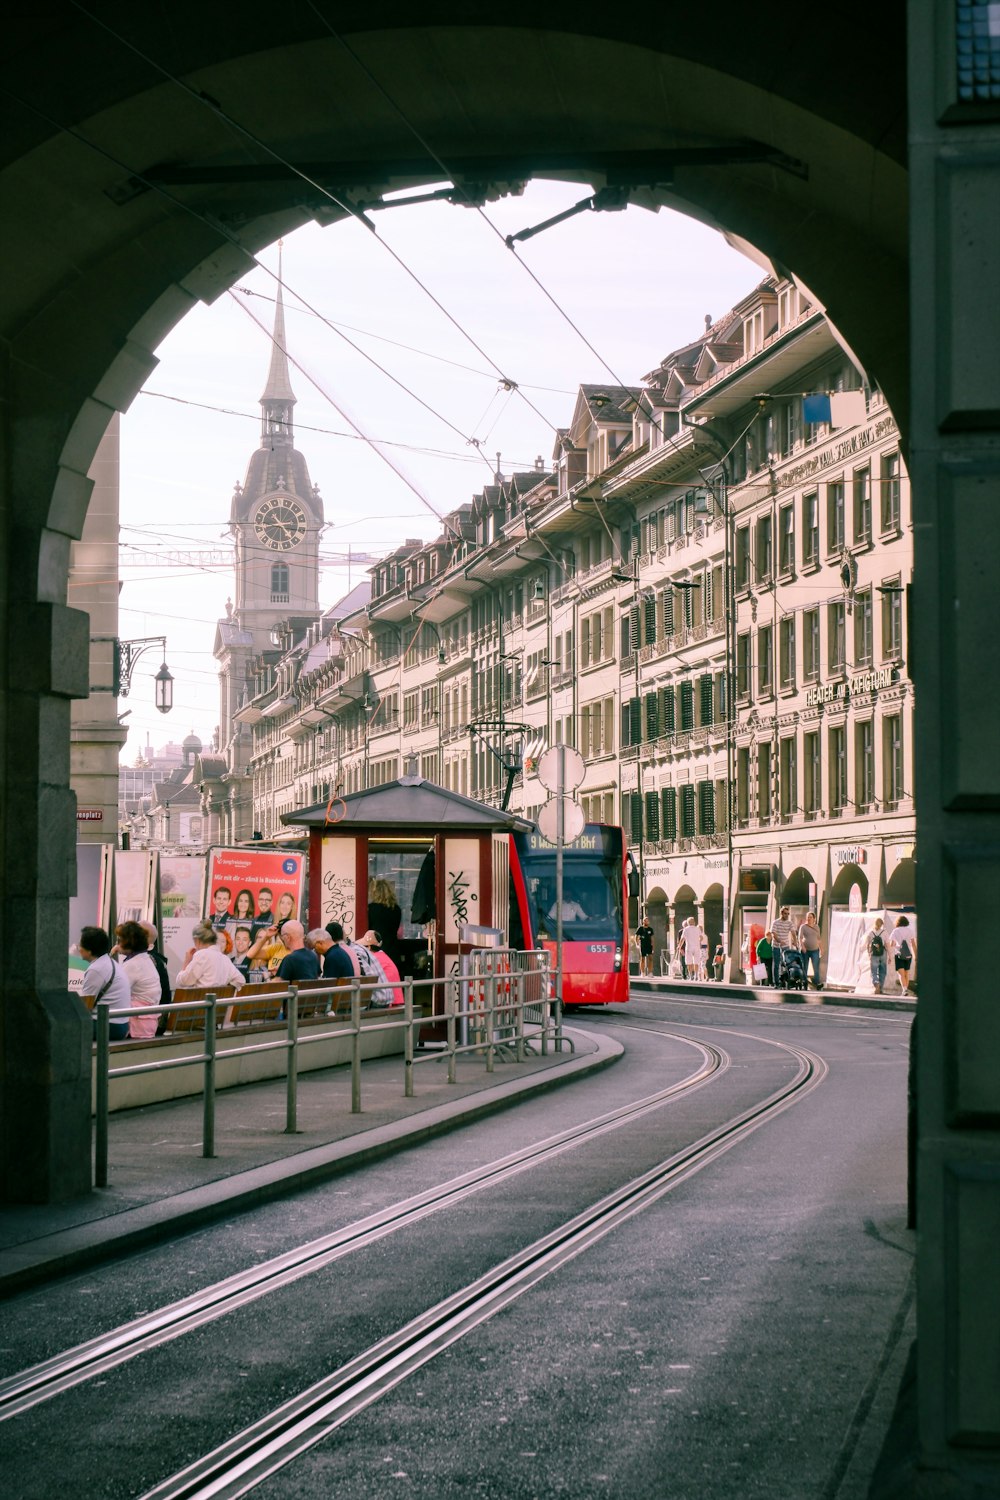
(459, 896)
(338, 900)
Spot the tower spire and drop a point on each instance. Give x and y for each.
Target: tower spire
(278, 399)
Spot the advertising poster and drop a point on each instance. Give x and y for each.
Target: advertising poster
(87, 907)
(135, 885)
(253, 888)
(182, 901)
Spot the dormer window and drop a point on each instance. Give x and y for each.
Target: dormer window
(753, 332)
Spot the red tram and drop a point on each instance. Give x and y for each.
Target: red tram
(595, 903)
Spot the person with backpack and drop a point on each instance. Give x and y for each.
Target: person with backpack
(875, 944)
(904, 948)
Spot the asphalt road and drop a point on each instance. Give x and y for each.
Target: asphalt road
(742, 1336)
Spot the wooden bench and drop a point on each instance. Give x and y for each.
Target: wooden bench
(194, 1020)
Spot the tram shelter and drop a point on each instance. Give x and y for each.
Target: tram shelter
(445, 857)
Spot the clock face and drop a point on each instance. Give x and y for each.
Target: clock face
(280, 523)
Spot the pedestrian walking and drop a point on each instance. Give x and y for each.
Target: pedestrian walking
(810, 946)
(904, 951)
(783, 935)
(875, 944)
(692, 938)
(765, 956)
(644, 937)
(719, 962)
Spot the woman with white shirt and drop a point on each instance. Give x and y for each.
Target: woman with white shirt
(207, 966)
(142, 974)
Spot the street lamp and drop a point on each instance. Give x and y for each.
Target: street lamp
(126, 654)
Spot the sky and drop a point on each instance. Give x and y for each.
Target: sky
(438, 302)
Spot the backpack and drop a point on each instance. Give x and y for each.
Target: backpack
(877, 946)
(904, 949)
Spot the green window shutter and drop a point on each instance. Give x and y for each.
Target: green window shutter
(687, 705)
(668, 809)
(705, 689)
(687, 811)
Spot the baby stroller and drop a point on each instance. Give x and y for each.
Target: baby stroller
(791, 970)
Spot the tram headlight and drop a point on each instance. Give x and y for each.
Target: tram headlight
(618, 958)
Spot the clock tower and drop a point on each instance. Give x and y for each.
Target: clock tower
(275, 520)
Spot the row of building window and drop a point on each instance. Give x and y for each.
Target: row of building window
(768, 784)
(802, 631)
(754, 549)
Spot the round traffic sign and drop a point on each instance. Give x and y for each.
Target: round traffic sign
(561, 769)
(574, 821)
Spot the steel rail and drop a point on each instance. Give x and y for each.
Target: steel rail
(237, 1466)
(20, 1392)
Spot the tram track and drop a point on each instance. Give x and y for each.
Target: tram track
(86, 1361)
(247, 1459)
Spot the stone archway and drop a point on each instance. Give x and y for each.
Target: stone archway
(161, 201)
(143, 196)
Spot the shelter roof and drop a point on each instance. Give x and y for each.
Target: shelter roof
(411, 803)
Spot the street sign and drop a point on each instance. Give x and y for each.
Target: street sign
(574, 820)
(566, 759)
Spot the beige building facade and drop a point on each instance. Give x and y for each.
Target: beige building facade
(704, 592)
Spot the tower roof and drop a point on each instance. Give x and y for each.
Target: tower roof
(279, 384)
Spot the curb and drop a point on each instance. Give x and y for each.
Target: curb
(749, 996)
(68, 1250)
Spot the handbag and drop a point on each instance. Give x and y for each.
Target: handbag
(759, 973)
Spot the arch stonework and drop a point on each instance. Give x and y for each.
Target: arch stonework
(128, 197)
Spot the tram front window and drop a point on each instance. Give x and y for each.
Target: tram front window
(591, 905)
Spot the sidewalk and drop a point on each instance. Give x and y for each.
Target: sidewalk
(759, 994)
(159, 1183)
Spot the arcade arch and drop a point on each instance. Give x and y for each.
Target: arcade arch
(901, 887)
(847, 877)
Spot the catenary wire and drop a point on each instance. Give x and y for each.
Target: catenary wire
(344, 204)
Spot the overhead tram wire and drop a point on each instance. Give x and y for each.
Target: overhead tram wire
(248, 416)
(670, 439)
(219, 229)
(344, 204)
(372, 442)
(441, 359)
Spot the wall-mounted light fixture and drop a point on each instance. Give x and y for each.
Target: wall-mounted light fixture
(126, 654)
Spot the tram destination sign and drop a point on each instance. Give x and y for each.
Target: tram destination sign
(847, 687)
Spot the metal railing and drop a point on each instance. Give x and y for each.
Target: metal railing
(500, 1004)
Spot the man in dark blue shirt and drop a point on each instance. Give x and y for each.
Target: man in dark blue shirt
(335, 959)
(299, 962)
